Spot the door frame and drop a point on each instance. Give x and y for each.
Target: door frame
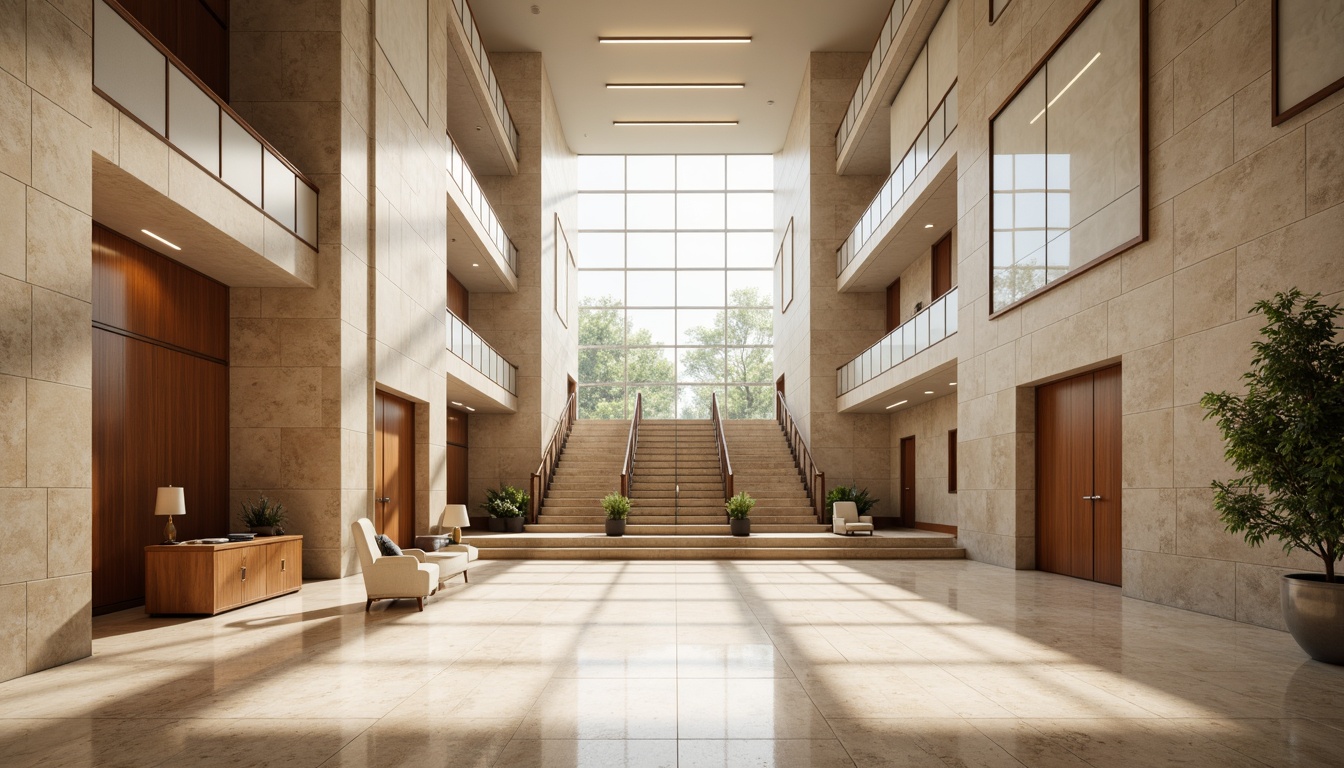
(405, 535)
(909, 513)
(779, 388)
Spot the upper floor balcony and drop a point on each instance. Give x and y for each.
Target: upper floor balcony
(479, 378)
(915, 207)
(479, 118)
(480, 253)
(908, 366)
(175, 167)
(862, 142)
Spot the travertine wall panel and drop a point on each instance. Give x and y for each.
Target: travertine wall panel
(45, 347)
(1238, 209)
(929, 423)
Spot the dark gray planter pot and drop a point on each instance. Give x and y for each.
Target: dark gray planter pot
(615, 527)
(513, 524)
(1313, 609)
(740, 527)
(496, 524)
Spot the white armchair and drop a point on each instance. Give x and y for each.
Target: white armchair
(845, 518)
(391, 577)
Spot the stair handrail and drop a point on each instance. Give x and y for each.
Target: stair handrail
(814, 480)
(541, 479)
(721, 442)
(631, 444)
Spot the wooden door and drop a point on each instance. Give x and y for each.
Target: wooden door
(394, 470)
(908, 482)
(1078, 476)
(284, 566)
(894, 305)
(230, 589)
(942, 267)
(456, 456)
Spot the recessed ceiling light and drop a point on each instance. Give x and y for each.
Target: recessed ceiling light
(928, 226)
(951, 383)
(161, 240)
(928, 391)
(671, 40)
(893, 405)
(673, 86)
(474, 264)
(672, 123)
(469, 408)
(454, 402)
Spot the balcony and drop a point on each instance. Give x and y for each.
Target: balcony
(480, 254)
(922, 190)
(905, 365)
(480, 117)
(173, 158)
(479, 378)
(863, 138)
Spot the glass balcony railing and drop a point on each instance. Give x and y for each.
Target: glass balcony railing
(461, 174)
(141, 78)
(929, 141)
(865, 86)
(468, 345)
(933, 324)
(491, 84)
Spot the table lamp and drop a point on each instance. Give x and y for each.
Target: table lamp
(456, 516)
(171, 501)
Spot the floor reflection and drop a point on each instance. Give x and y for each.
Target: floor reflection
(688, 664)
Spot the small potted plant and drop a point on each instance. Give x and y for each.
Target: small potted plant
(861, 499)
(264, 517)
(1285, 437)
(617, 508)
(739, 514)
(506, 506)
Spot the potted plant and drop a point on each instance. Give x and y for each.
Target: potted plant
(861, 499)
(617, 508)
(264, 517)
(739, 514)
(1285, 438)
(506, 506)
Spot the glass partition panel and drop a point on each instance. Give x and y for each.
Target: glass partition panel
(471, 348)
(278, 190)
(1066, 171)
(932, 325)
(193, 118)
(129, 69)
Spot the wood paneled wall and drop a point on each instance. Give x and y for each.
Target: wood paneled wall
(459, 299)
(457, 456)
(196, 31)
(160, 408)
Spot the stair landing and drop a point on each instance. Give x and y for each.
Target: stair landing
(682, 545)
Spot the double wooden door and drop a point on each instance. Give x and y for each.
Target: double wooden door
(1078, 476)
(394, 468)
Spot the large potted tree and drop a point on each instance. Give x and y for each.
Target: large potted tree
(1285, 438)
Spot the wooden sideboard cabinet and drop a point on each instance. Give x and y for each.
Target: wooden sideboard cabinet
(212, 578)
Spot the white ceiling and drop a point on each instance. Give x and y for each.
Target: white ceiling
(783, 33)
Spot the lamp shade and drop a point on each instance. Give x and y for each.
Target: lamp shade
(171, 501)
(455, 516)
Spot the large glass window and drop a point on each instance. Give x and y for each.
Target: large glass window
(675, 287)
(1066, 172)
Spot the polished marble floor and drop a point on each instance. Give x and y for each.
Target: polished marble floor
(869, 663)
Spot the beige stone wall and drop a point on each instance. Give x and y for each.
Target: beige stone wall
(917, 280)
(1238, 209)
(523, 326)
(928, 423)
(46, 359)
(298, 357)
(793, 203)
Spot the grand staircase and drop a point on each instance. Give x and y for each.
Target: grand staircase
(677, 495)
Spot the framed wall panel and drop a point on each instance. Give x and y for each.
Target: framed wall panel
(564, 258)
(784, 268)
(1308, 54)
(1068, 170)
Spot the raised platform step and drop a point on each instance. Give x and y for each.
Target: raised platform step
(598, 518)
(725, 553)
(888, 540)
(707, 529)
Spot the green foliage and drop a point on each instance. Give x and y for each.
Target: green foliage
(617, 506)
(739, 507)
(852, 493)
(263, 513)
(738, 329)
(1286, 435)
(506, 501)
(602, 327)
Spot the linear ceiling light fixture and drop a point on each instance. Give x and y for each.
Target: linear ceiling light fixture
(671, 123)
(674, 40)
(893, 405)
(161, 240)
(675, 86)
(1065, 88)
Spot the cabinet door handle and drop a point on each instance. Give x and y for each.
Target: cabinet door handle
(282, 565)
(244, 570)
(383, 499)
(1091, 498)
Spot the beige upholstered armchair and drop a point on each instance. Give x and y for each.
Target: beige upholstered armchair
(845, 518)
(392, 577)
